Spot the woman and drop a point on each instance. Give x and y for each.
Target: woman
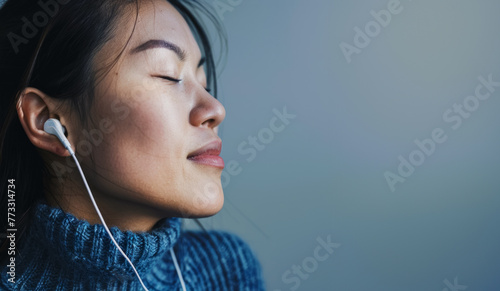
(131, 88)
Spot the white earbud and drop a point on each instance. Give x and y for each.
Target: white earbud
(54, 127)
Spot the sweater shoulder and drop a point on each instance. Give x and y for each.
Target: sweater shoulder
(226, 254)
(222, 245)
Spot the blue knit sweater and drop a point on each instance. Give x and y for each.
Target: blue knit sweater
(60, 252)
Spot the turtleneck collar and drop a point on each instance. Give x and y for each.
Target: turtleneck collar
(78, 244)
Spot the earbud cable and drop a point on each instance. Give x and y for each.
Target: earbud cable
(176, 264)
(54, 127)
(104, 223)
(177, 269)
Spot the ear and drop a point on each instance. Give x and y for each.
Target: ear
(34, 108)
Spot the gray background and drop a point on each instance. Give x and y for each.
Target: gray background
(324, 174)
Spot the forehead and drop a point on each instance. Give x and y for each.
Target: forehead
(156, 20)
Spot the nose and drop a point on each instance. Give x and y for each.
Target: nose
(208, 111)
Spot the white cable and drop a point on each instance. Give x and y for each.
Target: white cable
(179, 273)
(54, 127)
(177, 268)
(104, 223)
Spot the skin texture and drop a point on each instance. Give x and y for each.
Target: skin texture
(143, 127)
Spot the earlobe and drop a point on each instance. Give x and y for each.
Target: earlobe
(33, 110)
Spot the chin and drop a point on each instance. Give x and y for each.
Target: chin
(205, 207)
(205, 200)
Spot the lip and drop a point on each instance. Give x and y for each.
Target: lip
(208, 155)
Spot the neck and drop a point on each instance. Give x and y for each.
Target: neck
(86, 249)
(115, 209)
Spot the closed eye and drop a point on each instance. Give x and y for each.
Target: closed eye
(209, 90)
(169, 79)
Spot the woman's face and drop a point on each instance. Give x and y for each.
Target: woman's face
(150, 122)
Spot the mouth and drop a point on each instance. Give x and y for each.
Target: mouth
(208, 155)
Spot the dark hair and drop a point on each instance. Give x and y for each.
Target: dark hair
(50, 45)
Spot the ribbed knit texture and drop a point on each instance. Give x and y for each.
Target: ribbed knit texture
(61, 252)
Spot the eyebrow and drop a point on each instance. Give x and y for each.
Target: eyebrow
(157, 43)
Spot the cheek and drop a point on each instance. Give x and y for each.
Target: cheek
(156, 127)
(147, 136)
